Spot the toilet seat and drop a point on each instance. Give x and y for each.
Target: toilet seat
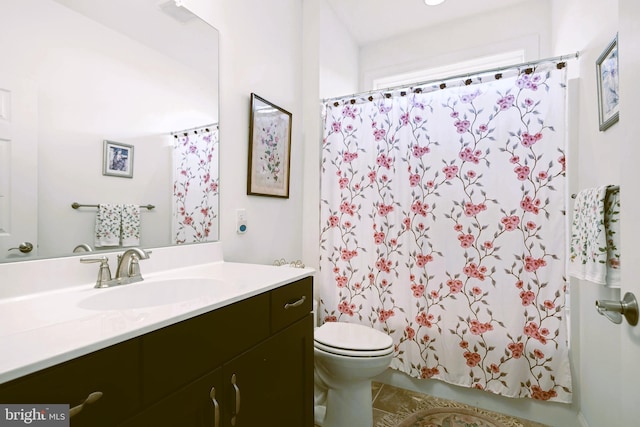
(352, 353)
(350, 339)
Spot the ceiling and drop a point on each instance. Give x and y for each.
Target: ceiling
(163, 28)
(373, 20)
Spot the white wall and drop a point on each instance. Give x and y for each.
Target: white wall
(339, 54)
(260, 52)
(311, 71)
(594, 160)
(524, 26)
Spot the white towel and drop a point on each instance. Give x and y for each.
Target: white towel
(594, 254)
(130, 225)
(108, 225)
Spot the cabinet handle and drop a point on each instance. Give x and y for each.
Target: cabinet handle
(216, 407)
(237, 391)
(93, 397)
(295, 304)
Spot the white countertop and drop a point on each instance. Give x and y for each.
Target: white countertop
(43, 329)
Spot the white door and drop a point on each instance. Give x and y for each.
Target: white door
(629, 357)
(18, 167)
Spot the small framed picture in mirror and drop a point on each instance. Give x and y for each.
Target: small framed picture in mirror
(117, 159)
(608, 89)
(269, 149)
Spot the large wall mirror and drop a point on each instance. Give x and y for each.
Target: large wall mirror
(141, 74)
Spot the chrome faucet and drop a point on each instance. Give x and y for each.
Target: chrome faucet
(82, 247)
(128, 270)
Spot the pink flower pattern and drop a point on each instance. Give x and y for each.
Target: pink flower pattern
(195, 190)
(454, 196)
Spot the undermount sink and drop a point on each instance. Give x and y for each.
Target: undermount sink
(151, 293)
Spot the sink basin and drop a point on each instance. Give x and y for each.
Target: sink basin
(151, 293)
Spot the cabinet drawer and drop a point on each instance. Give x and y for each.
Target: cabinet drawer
(180, 353)
(290, 303)
(112, 371)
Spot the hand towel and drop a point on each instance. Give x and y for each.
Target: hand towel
(612, 230)
(108, 223)
(130, 225)
(593, 252)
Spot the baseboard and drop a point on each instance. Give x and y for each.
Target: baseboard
(583, 422)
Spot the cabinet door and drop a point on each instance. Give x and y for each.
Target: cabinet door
(112, 371)
(175, 356)
(196, 405)
(271, 385)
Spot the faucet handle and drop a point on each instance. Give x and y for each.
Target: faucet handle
(104, 274)
(134, 266)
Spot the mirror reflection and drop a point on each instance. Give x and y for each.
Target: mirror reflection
(111, 105)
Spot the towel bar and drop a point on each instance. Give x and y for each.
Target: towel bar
(611, 187)
(76, 205)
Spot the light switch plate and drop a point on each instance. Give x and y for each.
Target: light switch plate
(241, 221)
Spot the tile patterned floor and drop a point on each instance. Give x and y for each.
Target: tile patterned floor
(388, 400)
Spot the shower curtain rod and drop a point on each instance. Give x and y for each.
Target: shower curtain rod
(175, 133)
(459, 76)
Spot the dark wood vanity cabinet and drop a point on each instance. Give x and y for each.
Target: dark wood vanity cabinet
(269, 385)
(244, 365)
(112, 371)
(256, 356)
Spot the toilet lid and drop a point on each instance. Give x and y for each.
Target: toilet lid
(352, 337)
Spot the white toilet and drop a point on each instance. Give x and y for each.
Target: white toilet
(347, 356)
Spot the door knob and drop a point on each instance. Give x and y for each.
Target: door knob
(24, 247)
(614, 310)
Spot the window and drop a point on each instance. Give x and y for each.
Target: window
(458, 68)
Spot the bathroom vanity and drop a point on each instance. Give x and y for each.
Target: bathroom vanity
(241, 356)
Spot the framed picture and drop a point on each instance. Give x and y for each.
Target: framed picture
(269, 149)
(117, 159)
(608, 89)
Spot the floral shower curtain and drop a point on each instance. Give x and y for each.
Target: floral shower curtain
(195, 185)
(442, 224)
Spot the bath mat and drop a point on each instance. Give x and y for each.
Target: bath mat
(435, 412)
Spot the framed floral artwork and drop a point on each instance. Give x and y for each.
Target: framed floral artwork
(269, 149)
(117, 159)
(608, 89)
